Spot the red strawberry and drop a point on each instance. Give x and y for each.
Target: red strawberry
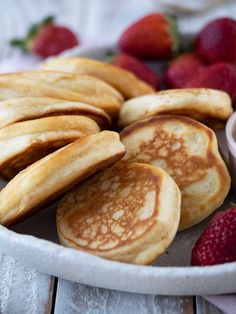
(155, 36)
(137, 67)
(217, 244)
(217, 41)
(46, 39)
(217, 76)
(182, 70)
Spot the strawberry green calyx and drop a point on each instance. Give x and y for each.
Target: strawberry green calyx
(24, 44)
(173, 32)
(110, 56)
(34, 29)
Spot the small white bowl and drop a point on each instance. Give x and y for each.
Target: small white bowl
(231, 142)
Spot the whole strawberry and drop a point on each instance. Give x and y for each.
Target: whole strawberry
(155, 36)
(47, 39)
(138, 68)
(217, 41)
(217, 244)
(181, 70)
(217, 76)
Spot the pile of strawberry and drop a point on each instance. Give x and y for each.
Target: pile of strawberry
(211, 63)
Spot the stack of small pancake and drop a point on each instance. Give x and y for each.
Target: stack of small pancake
(127, 195)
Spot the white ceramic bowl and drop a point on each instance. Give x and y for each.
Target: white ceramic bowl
(35, 242)
(230, 130)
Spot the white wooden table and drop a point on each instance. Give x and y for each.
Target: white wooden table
(22, 289)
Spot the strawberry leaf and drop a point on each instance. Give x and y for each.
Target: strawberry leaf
(48, 20)
(33, 30)
(173, 32)
(19, 43)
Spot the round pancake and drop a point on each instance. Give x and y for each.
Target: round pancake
(188, 151)
(209, 106)
(124, 81)
(23, 143)
(62, 85)
(128, 212)
(28, 108)
(45, 180)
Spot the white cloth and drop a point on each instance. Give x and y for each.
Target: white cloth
(96, 21)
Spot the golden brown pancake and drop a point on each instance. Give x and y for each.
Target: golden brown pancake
(62, 85)
(128, 212)
(51, 176)
(188, 151)
(23, 143)
(28, 108)
(124, 81)
(212, 107)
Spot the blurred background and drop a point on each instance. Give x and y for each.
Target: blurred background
(97, 21)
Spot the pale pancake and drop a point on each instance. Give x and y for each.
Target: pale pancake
(128, 212)
(188, 151)
(28, 108)
(62, 85)
(84, 84)
(23, 143)
(124, 81)
(209, 106)
(51, 176)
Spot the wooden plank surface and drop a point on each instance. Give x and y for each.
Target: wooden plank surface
(23, 290)
(205, 307)
(72, 298)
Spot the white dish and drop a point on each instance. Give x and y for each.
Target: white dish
(230, 136)
(169, 275)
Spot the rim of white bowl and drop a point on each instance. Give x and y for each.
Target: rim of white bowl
(229, 134)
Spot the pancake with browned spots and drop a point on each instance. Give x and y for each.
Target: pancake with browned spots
(129, 212)
(188, 151)
(47, 179)
(23, 143)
